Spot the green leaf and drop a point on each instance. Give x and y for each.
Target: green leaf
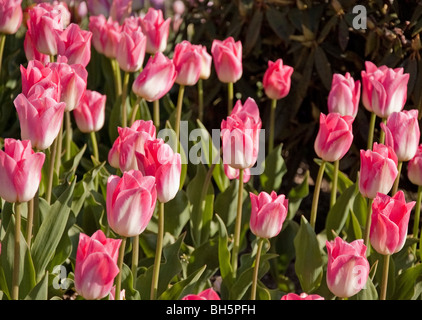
(177, 214)
(40, 291)
(253, 31)
(296, 195)
(278, 22)
(408, 284)
(343, 181)
(224, 256)
(308, 264)
(275, 169)
(323, 67)
(127, 284)
(368, 292)
(226, 203)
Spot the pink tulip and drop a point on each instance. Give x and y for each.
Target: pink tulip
(347, 267)
(334, 137)
(384, 90)
(90, 112)
(206, 63)
(131, 50)
(162, 163)
(232, 173)
(130, 140)
(34, 73)
(389, 222)
(378, 170)
(105, 35)
(20, 170)
(156, 79)
(61, 7)
(208, 294)
(302, 296)
(277, 79)
(240, 135)
(10, 16)
(402, 133)
(344, 95)
(130, 202)
(268, 213)
(96, 265)
(187, 60)
(75, 45)
(227, 57)
(99, 7)
(40, 116)
(31, 53)
(156, 30)
(113, 294)
(414, 167)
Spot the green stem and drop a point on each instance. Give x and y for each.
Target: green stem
(371, 131)
(178, 115)
(120, 265)
(230, 93)
(2, 43)
(124, 95)
(135, 110)
(200, 100)
(30, 222)
(96, 154)
(256, 269)
(396, 182)
(334, 183)
(135, 259)
(368, 225)
(49, 189)
(58, 160)
(384, 282)
(17, 254)
(117, 78)
(158, 252)
(156, 111)
(68, 136)
(382, 133)
(417, 217)
(317, 190)
(238, 224)
(272, 121)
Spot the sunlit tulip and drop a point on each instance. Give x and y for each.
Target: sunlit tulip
(131, 50)
(344, 95)
(227, 58)
(10, 16)
(277, 79)
(90, 112)
(75, 45)
(187, 60)
(156, 30)
(414, 167)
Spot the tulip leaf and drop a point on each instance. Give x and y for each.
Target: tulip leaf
(127, 284)
(275, 169)
(40, 291)
(296, 195)
(368, 292)
(308, 263)
(409, 284)
(343, 181)
(323, 67)
(226, 202)
(224, 258)
(177, 214)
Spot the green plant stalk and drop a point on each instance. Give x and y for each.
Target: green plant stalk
(117, 77)
(124, 95)
(68, 136)
(30, 222)
(158, 252)
(156, 114)
(2, 43)
(317, 190)
(58, 161)
(334, 184)
(17, 255)
(396, 182)
(53, 151)
(230, 94)
(238, 224)
(120, 265)
(178, 116)
(135, 258)
(95, 153)
(368, 226)
(272, 122)
(384, 281)
(417, 217)
(135, 110)
(200, 100)
(371, 131)
(256, 269)
(382, 133)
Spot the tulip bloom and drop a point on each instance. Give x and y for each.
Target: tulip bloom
(96, 265)
(130, 202)
(31, 53)
(384, 90)
(240, 135)
(20, 170)
(389, 222)
(34, 73)
(378, 170)
(206, 63)
(156, 30)
(268, 213)
(156, 79)
(347, 267)
(105, 35)
(334, 137)
(90, 112)
(187, 60)
(277, 79)
(302, 296)
(208, 294)
(10, 16)
(402, 133)
(227, 57)
(232, 173)
(75, 45)
(414, 167)
(131, 50)
(344, 95)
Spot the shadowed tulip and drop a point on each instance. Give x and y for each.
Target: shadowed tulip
(10, 16)
(344, 95)
(227, 57)
(156, 30)
(277, 79)
(187, 60)
(75, 45)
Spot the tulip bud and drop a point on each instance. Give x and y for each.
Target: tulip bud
(187, 60)
(10, 16)
(90, 112)
(277, 80)
(105, 35)
(414, 168)
(344, 95)
(227, 57)
(156, 30)
(131, 50)
(75, 45)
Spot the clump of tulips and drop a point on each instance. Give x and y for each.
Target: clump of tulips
(141, 220)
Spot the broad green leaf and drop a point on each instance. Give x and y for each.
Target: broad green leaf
(343, 181)
(40, 291)
(226, 203)
(296, 195)
(177, 214)
(407, 284)
(368, 292)
(205, 254)
(127, 284)
(275, 169)
(224, 256)
(323, 67)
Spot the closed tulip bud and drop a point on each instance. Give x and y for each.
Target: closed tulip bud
(206, 63)
(268, 213)
(75, 45)
(389, 222)
(240, 135)
(302, 296)
(227, 57)
(334, 137)
(161, 162)
(402, 133)
(187, 60)
(208, 294)
(130, 202)
(105, 35)
(156, 79)
(156, 30)
(378, 170)
(90, 112)
(414, 168)
(20, 170)
(344, 95)
(96, 265)
(131, 50)
(10, 16)
(347, 267)
(277, 79)
(232, 173)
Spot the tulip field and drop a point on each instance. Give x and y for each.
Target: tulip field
(210, 150)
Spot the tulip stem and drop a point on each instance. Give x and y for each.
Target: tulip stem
(368, 224)
(256, 268)
(316, 194)
(124, 95)
(17, 253)
(178, 115)
(417, 217)
(68, 136)
(200, 100)
(382, 133)
(135, 110)
(156, 111)
(272, 121)
(383, 294)
(29, 222)
(158, 251)
(238, 224)
(135, 259)
(53, 150)
(120, 265)
(58, 160)
(371, 130)
(396, 182)
(96, 154)
(230, 93)
(334, 183)
(117, 77)
(2, 43)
